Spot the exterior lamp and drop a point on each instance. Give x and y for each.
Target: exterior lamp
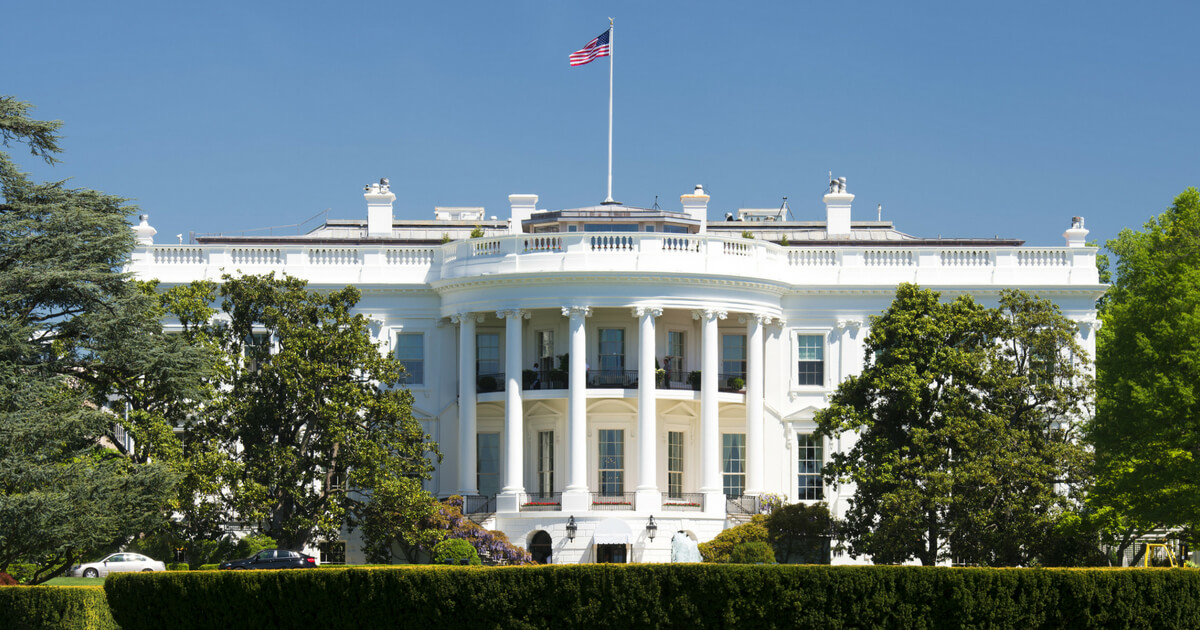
(571, 528)
(651, 528)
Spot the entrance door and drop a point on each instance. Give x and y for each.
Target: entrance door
(540, 548)
(613, 554)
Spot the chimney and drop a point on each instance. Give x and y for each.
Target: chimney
(837, 209)
(1077, 235)
(379, 208)
(143, 232)
(695, 206)
(522, 209)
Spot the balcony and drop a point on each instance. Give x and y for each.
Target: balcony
(612, 501)
(683, 502)
(542, 502)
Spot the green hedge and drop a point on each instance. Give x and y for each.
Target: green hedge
(659, 596)
(54, 607)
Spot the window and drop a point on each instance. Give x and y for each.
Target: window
(675, 229)
(410, 350)
(256, 348)
(545, 463)
(810, 350)
(733, 357)
(810, 486)
(733, 463)
(487, 353)
(612, 358)
(612, 462)
(610, 227)
(487, 463)
(649, 228)
(675, 464)
(333, 552)
(674, 366)
(545, 341)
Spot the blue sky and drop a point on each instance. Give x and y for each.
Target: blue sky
(962, 119)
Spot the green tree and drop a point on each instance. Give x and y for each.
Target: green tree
(1147, 425)
(71, 326)
(801, 533)
(306, 423)
(965, 420)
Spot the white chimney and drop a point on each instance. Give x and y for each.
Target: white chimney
(379, 208)
(522, 209)
(1077, 235)
(837, 209)
(143, 232)
(695, 206)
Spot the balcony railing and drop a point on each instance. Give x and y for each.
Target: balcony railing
(731, 382)
(612, 379)
(742, 505)
(556, 379)
(684, 502)
(542, 502)
(612, 501)
(485, 383)
(479, 504)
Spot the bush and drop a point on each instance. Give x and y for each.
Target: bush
(719, 548)
(60, 607)
(737, 383)
(177, 566)
(22, 572)
(658, 595)
(752, 553)
(209, 567)
(800, 533)
(455, 551)
(7, 580)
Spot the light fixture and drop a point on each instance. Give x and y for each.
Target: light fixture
(651, 528)
(571, 528)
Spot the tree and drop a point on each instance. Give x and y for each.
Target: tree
(71, 325)
(965, 421)
(1147, 425)
(801, 533)
(306, 423)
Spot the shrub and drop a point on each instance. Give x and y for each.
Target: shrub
(477, 232)
(719, 548)
(60, 607)
(747, 234)
(752, 553)
(800, 533)
(737, 383)
(177, 566)
(209, 567)
(455, 551)
(22, 572)
(7, 580)
(694, 379)
(445, 238)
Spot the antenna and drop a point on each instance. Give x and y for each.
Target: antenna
(879, 209)
(656, 203)
(784, 206)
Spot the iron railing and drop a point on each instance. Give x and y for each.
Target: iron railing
(542, 502)
(485, 383)
(684, 502)
(731, 382)
(612, 500)
(612, 379)
(479, 504)
(742, 505)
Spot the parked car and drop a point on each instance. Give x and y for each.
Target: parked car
(273, 559)
(117, 563)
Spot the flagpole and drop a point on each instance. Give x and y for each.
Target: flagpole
(611, 52)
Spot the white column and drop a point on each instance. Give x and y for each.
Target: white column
(710, 432)
(466, 403)
(575, 494)
(649, 499)
(754, 401)
(514, 414)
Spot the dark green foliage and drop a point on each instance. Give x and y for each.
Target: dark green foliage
(455, 551)
(209, 567)
(719, 549)
(55, 608)
(177, 566)
(755, 552)
(682, 596)
(801, 533)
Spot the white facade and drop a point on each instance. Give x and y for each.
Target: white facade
(626, 292)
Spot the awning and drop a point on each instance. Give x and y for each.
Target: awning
(612, 531)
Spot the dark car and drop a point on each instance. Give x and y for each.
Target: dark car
(273, 559)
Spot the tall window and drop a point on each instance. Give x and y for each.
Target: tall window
(487, 353)
(810, 486)
(733, 463)
(487, 463)
(545, 341)
(733, 356)
(612, 462)
(811, 355)
(675, 464)
(612, 349)
(674, 366)
(410, 350)
(545, 463)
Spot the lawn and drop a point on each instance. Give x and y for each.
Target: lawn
(74, 581)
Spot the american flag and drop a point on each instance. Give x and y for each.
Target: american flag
(596, 48)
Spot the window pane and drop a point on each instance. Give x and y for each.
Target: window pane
(545, 463)
(675, 464)
(674, 366)
(810, 486)
(410, 350)
(487, 353)
(810, 350)
(488, 463)
(612, 349)
(733, 463)
(733, 356)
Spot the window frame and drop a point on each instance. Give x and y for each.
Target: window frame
(407, 380)
(805, 446)
(601, 470)
(827, 372)
(726, 474)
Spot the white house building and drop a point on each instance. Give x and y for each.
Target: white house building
(592, 370)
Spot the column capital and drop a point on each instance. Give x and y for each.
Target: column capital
(458, 318)
(568, 311)
(514, 313)
(652, 311)
(852, 325)
(762, 318)
(1089, 326)
(709, 313)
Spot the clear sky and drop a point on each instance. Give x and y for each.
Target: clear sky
(963, 119)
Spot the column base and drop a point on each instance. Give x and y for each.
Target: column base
(576, 501)
(648, 500)
(714, 502)
(509, 501)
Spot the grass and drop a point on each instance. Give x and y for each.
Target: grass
(75, 581)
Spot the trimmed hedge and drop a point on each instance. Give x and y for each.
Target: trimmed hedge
(55, 607)
(659, 596)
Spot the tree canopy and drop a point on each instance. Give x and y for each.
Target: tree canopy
(1147, 425)
(72, 325)
(962, 429)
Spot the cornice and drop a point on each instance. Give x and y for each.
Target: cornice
(443, 287)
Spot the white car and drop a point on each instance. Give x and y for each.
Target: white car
(117, 563)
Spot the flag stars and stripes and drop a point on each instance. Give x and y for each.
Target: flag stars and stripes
(598, 47)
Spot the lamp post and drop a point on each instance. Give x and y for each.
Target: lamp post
(571, 528)
(651, 528)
